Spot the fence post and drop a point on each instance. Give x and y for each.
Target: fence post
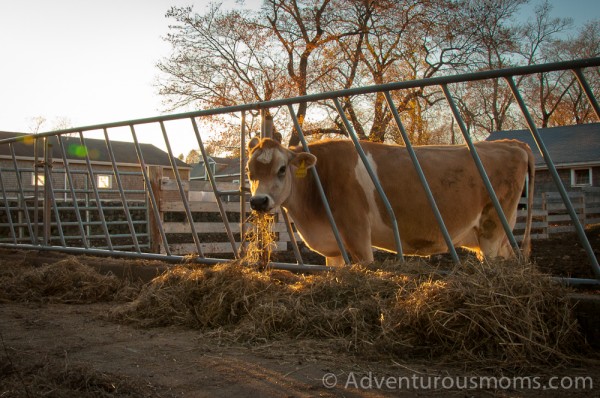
(583, 213)
(47, 210)
(545, 209)
(266, 128)
(155, 174)
(242, 185)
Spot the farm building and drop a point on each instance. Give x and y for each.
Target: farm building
(125, 157)
(575, 151)
(223, 169)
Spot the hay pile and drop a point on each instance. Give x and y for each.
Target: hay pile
(65, 281)
(260, 239)
(39, 377)
(498, 314)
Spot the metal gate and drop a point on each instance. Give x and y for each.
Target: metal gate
(67, 206)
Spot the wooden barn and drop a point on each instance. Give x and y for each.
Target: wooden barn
(575, 151)
(125, 157)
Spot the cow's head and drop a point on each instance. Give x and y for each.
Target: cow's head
(272, 170)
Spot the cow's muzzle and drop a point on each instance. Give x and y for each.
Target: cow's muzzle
(259, 203)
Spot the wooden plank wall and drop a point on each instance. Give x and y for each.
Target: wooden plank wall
(550, 215)
(207, 230)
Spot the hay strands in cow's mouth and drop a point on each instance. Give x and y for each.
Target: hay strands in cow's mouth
(260, 240)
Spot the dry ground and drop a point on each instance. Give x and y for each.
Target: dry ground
(62, 350)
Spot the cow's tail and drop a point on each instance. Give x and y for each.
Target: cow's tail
(526, 244)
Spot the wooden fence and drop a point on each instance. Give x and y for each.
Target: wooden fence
(549, 217)
(207, 220)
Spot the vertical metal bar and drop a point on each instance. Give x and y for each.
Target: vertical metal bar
(334, 229)
(54, 205)
(554, 173)
(111, 155)
(424, 183)
(482, 172)
(243, 184)
(36, 219)
(155, 208)
(92, 179)
(184, 199)
(374, 178)
(588, 91)
(72, 189)
(88, 219)
(50, 198)
(46, 216)
(32, 236)
(8, 215)
(290, 230)
(215, 189)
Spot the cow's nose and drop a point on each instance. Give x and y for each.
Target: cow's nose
(259, 203)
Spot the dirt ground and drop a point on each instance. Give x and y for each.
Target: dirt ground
(563, 254)
(83, 354)
(75, 350)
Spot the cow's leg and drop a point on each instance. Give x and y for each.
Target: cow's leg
(359, 247)
(493, 241)
(333, 261)
(497, 247)
(358, 239)
(364, 255)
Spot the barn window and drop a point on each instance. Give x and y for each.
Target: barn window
(581, 177)
(104, 181)
(40, 180)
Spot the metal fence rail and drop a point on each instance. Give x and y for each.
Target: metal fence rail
(37, 220)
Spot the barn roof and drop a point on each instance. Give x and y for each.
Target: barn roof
(567, 145)
(124, 152)
(223, 167)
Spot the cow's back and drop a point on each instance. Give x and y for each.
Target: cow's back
(451, 174)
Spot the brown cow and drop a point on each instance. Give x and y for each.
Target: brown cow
(278, 177)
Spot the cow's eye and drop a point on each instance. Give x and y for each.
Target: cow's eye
(281, 172)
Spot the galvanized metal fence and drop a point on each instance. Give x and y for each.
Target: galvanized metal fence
(80, 218)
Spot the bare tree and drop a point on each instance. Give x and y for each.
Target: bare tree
(220, 58)
(544, 89)
(300, 26)
(561, 99)
(298, 47)
(496, 40)
(35, 124)
(395, 41)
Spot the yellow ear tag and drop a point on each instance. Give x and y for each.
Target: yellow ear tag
(301, 170)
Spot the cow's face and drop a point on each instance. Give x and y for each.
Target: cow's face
(272, 170)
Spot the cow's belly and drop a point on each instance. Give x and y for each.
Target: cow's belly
(320, 238)
(425, 238)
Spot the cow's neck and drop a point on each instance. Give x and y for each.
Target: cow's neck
(304, 202)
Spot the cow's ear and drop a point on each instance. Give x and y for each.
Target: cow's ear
(304, 159)
(252, 143)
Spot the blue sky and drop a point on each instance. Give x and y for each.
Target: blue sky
(581, 11)
(93, 61)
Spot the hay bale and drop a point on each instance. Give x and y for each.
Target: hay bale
(197, 296)
(490, 314)
(66, 281)
(501, 312)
